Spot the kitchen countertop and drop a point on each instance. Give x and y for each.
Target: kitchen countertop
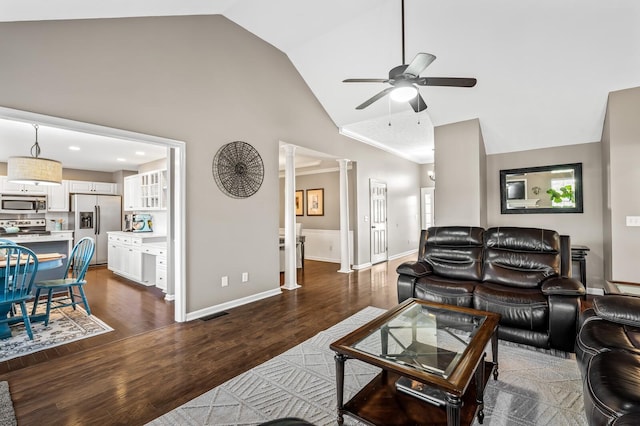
(54, 236)
(146, 237)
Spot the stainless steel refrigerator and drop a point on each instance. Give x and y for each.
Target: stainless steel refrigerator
(94, 216)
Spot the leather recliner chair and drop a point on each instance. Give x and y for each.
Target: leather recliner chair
(608, 355)
(520, 273)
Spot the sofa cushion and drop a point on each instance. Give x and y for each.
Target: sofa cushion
(525, 308)
(521, 257)
(611, 386)
(443, 290)
(455, 252)
(597, 335)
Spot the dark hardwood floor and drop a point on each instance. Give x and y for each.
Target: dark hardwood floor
(150, 365)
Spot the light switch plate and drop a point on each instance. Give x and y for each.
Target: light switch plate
(245, 277)
(633, 220)
(224, 281)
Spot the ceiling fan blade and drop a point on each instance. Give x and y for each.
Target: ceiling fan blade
(446, 81)
(365, 80)
(418, 104)
(419, 63)
(374, 98)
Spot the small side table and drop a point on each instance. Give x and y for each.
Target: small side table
(579, 256)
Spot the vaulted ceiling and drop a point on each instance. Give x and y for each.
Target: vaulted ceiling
(544, 67)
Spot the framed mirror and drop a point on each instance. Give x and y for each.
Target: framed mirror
(546, 189)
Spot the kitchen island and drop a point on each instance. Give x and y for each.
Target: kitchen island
(55, 242)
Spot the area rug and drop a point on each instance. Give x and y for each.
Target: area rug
(65, 326)
(7, 415)
(533, 388)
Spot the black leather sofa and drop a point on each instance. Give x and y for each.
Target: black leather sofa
(608, 355)
(520, 273)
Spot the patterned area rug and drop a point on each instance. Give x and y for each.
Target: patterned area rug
(7, 415)
(65, 326)
(534, 388)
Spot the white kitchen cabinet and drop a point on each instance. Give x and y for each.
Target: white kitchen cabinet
(7, 186)
(131, 196)
(129, 257)
(58, 197)
(86, 187)
(156, 256)
(146, 191)
(125, 256)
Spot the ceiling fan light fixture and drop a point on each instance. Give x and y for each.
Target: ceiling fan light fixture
(34, 170)
(403, 93)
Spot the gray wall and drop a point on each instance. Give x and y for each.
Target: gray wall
(621, 150)
(584, 228)
(460, 174)
(330, 182)
(195, 79)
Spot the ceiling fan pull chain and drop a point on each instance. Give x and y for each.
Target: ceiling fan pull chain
(389, 103)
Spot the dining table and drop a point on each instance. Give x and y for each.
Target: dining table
(45, 261)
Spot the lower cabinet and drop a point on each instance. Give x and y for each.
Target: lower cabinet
(143, 263)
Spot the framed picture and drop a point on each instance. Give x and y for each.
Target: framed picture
(315, 202)
(300, 203)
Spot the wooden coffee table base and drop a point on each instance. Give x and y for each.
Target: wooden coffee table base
(379, 403)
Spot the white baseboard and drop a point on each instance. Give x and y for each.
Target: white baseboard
(321, 259)
(232, 304)
(399, 255)
(362, 266)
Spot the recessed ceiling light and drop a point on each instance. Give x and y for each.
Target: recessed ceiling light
(74, 148)
(121, 159)
(139, 152)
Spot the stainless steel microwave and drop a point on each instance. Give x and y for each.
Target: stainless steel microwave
(14, 203)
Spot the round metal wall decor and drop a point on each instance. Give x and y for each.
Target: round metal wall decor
(238, 169)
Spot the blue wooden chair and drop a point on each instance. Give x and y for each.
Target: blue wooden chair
(73, 278)
(16, 280)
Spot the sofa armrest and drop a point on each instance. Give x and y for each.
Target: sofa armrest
(414, 269)
(618, 308)
(560, 286)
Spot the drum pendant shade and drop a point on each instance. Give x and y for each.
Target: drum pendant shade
(34, 170)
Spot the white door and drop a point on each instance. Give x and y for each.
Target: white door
(378, 197)
(427, 207)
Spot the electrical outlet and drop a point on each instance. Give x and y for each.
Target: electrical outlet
(245, 277)
(633, 220)
(224, 281)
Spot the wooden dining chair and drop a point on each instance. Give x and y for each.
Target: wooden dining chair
(17, 272)
(73, 278)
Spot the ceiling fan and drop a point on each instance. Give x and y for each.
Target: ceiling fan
(404, 80)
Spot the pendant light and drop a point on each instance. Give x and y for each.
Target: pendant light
(34, 170)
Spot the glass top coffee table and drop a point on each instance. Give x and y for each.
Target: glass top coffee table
(429, 354)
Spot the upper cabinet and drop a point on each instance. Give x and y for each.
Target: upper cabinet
(85, 187)
(58, 197)
(7, 186)
(146, 191)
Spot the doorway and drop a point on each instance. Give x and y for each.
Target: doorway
(176, 208)
(378, 212)
(427, 207)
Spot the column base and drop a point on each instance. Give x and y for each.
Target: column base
(345, 271)
(290, 286)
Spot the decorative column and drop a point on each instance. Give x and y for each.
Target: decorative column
(290, 273)
(345, 265)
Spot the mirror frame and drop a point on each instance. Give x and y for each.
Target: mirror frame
(577, 172)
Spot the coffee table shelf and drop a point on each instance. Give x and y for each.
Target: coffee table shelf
(380, 403)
